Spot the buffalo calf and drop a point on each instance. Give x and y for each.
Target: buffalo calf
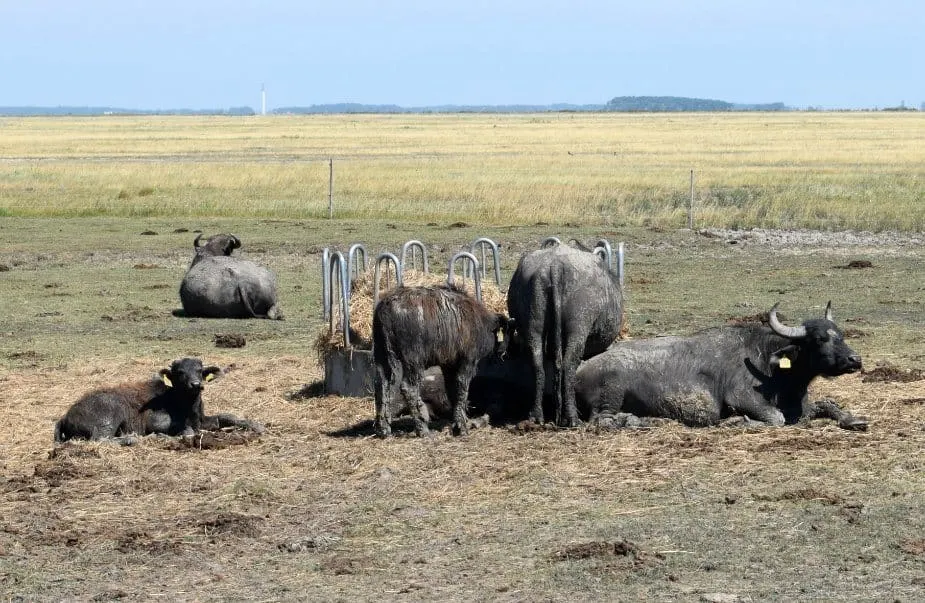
(418, 327)
(170, 403)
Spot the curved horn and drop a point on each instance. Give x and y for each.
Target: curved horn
(828, 312)
(784, 330)
(235, 242)
(196, 241)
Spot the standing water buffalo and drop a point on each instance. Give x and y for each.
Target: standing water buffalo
(760, 371)
(170, 403)
(217, 285)
(568, 306)
(418, 327)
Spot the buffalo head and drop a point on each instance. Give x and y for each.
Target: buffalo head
(817, 346)
(220, 244)
(188, 374)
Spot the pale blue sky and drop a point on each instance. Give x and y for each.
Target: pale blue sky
(216, 53)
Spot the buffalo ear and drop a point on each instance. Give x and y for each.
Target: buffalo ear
(210, 373)
(165, 377)
(783, 357)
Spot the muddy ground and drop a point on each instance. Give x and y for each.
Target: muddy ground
(317, 509)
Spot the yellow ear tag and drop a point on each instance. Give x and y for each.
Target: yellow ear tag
(500, 335)
(784, 363)
(166, 380)
(210, 376)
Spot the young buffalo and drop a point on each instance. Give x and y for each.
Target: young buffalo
(418, 327)
(170, 403)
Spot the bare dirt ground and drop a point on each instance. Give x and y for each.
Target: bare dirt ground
(317, 509)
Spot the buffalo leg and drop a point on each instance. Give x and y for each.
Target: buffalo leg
(827, 408)
(457, 390)
(226, 420)
(411, 390)
(539, 380)
(571, 356)
(765, 414)
(386, 386)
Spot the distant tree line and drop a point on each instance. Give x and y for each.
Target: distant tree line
(683, 103)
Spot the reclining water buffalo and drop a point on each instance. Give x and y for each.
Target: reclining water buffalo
(419, 327)
(170, 403)
(568, 306)
(218, 285)
(761, 372)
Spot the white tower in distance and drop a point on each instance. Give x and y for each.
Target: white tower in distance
(263, 99)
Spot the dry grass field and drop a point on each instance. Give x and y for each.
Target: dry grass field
(318, 509)
(818, 170)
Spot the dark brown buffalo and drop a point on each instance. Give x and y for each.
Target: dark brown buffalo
(419, 327)
(170, 403)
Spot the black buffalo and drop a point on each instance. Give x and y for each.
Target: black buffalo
(219, 285)
(568, 305)
(761, 372)
(419, 327)
(170, 403)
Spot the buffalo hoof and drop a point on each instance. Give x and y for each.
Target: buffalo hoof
(852, 423)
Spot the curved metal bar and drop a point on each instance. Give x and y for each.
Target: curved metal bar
(480, 244)
(325, 284)
(338, 268)
(451, 276)
(550, 241)
(412, 245)
(385, 257)
(620, 262)
(354, 268)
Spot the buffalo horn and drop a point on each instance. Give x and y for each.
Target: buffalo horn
(784, 330)
(236, 242)
(196, 240)
(828, 312)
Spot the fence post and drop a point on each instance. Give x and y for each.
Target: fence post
(690, 208)
(330, 188)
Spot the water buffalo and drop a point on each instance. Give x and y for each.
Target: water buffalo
(170, 403)
(218, 285)
(568, 306)
(761, 372)
(419, 327)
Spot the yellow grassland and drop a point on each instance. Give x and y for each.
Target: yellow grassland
(861, 170)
